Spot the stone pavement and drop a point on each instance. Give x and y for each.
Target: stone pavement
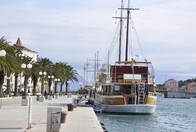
(14, 117)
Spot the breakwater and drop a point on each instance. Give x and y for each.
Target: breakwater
(176, 94)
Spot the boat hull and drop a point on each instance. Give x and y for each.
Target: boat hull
(129, 109)
(115, 104)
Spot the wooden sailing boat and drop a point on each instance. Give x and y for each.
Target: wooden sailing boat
(128, 86)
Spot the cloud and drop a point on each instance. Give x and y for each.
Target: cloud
(73, 30)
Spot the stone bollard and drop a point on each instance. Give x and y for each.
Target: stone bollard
(70, 107)
(63, 116)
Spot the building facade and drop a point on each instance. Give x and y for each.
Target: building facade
(191, 87)
(171, 85)
(24, 52)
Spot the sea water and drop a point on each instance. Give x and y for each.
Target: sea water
(171, 115)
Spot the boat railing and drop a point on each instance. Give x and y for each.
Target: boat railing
(128, 81)
(111, 94)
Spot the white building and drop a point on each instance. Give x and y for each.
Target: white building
(171, 85)
(26, 52)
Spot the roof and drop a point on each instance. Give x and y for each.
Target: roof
(171, 80)
(20, 46)
(18, 42)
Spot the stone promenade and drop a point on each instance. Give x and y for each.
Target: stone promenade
(14, 117)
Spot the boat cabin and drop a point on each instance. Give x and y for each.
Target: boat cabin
(133, 81)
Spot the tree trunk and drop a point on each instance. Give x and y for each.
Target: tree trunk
(66, 85)
(1, 88)
(16, 85)
(34, 86)
(61, 90)
(1, 83)
(25, 85)
(55, 87)
(42, 87)
(49, 85)
(8, 85)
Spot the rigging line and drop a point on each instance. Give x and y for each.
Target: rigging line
(131, 36)
(134, 28)
(114, 41)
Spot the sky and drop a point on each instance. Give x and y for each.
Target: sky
(74, 30)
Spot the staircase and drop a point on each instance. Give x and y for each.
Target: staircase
(141, 94)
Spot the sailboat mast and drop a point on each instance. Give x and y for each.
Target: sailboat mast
(127, 34)
(120, 33)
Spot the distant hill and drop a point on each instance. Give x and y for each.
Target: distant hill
(185, 82)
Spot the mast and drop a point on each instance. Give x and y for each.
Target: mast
(86, 72)
(120, 33)
(127, 32)
(96, 66)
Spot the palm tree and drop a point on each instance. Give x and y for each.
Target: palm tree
(13, 63)
(6, 65)
(26, 72)
(67, 74)
(50, 72)
(71, 75)
(18, 70)
(44, 66)
(35, 76)
(57, 73)
(62, 76)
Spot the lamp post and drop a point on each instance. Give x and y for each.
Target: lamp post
(26, 67)
(25, 101)
(50, 77)
(42, 74)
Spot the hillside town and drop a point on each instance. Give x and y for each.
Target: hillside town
(178, 89)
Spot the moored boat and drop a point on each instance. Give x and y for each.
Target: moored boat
(127, 86)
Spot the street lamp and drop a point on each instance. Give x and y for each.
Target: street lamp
(50, 77)
(25, 101)
(42, 74)
(26, 67)
(2, 52)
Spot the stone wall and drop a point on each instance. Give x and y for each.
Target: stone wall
(175, 94)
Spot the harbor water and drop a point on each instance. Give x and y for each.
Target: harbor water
(172, 115)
